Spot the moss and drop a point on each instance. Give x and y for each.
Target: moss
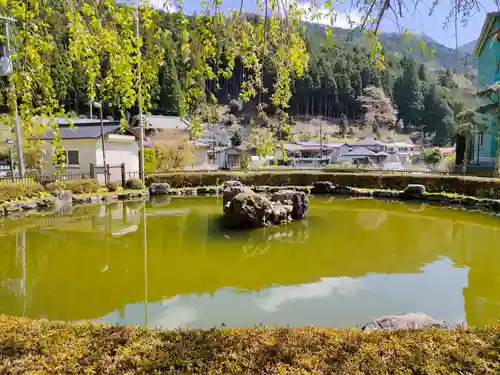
(112, 186)
(467, 186)
(53, 348)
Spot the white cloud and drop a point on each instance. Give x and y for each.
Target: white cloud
(326, 16)
(277, 296)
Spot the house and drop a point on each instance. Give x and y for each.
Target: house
(303, 153)
(403, 150)
(163, 130)
(363, 156)
(200, 150)
(371, 144)
(483, 146)
(83, 146)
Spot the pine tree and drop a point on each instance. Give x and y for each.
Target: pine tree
(423, 74)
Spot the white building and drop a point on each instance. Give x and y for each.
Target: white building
(403, 150)
(83, 146)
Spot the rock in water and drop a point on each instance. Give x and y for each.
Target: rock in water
(231, 183)
(248, 210)
(159, 188)
(63, 195)
(404, 321)
(413, 191)
(300, 205)
(323, 187)
(230, 192)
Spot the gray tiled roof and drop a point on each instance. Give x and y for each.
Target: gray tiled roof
(165, 122)
(81, 132)
(370, 142)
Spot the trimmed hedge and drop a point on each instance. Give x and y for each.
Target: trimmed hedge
(14, 191)
(471, 186)
(58, 348)
(76, 186)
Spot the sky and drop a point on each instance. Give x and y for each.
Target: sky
(415, 19)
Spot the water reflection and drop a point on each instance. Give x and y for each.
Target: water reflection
(170, 263)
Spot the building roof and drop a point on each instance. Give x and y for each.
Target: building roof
(370, 142)
(199, 143)
(165, 122)
(486, 32)
(82, 129)
(64, 121)
(316, 145)
(360, 151)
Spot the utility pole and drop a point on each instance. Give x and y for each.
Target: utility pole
(139, 95)
(17, 123)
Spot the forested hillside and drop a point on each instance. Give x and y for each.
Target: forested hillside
(339, 72)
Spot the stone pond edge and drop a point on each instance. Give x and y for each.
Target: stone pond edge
(53, 204)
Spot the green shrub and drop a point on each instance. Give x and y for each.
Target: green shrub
(11, 191)
(76, 186)
(472, 186)
(29, 346)
(134, 184)
(112, 186)
(149, 160)
(433, 156)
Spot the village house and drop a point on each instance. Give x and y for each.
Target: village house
(371, 144)
(403, 150)
(363, 156)
(83, 147)
(307, 153)
(483, 145)
(162, 130)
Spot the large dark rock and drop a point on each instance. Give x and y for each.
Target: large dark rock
(404, 321)
(159, 188)
(248, 210)
(323, 187)
(413, 191)
(297, 199)
(280, 214)
(230, 192)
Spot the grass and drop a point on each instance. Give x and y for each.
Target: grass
(44, 347)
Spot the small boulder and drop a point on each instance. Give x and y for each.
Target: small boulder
(344, 190)
(413, 191)
(231, 183)
(404, 321)
(63, 195)
(248, 210)
(27, 206)
(297, 199)
(190, 192)
(47, 203)
(159, 188)
(323, 187)
(280, 214)
(9, 208)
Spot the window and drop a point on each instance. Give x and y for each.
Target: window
(72, 157)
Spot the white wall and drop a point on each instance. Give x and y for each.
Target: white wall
(119, 149)
(85, 147)
(200, 156)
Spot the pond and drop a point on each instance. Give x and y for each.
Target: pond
(169, 263)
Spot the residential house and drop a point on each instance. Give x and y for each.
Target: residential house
(83, 146)
(483, 146)
(307, 153)
(363, 156)
(403, 150)
(200, 150)
(372, 144)
(163, 130)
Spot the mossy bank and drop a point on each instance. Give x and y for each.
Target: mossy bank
(43, 347)
(462, 185)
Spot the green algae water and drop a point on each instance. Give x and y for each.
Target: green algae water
(169, 263)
